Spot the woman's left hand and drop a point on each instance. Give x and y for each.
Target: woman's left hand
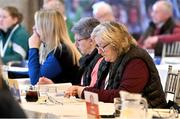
(44, 80)
(34, 41)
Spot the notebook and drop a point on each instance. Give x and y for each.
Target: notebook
(57, 89)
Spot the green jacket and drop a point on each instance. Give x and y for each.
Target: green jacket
(14, 44)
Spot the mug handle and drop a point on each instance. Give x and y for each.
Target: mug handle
(145, 105)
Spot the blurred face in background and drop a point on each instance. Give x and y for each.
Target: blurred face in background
(1, 18)
(83, 44)
(55, 4)
(103, 16)
(133, 16)
(7, 20)
(160, 13)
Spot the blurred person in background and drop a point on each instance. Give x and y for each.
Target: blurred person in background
(75, 11)
(13, 36)
(59, 6)
(162, 28)
(130, 68)
(103, 11)
(90, 60)
(133, 24)
(120, 13)
(52, 54)
(1, 18)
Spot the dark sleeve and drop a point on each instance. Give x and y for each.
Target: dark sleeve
(9, 106)
(50, 68)
(134, 79)
(175, 36)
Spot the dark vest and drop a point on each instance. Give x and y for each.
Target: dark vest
(153, 90)
(69, 70)
(167, 28)
(87, 64)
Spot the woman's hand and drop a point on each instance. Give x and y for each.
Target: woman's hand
(34, 41)
(44, 80)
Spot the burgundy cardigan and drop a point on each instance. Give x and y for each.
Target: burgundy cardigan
(134, 79)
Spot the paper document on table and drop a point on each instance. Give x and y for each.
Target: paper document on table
(54, 88)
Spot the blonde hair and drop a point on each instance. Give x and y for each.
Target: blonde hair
(116, 34)
(53, 32)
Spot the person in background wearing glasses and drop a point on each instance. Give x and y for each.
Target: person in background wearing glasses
(130, 68)
(52, 54)
(90, 60)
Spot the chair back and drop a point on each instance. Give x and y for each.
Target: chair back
(172, 87)
(17, 64)
(171, 49)
(17, 69)
(177, 98)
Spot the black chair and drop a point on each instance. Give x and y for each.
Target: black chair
(13, 73)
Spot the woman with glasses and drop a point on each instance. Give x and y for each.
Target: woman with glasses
(51, 53)
(130, 67)
(90, 60)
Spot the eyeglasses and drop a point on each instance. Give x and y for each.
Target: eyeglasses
(78, 40)
(102, 48)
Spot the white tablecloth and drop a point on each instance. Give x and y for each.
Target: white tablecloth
(69, 109)
(77, 110)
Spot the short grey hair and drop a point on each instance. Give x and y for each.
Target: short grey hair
(85, 26)
(165, 5)
(102, 5)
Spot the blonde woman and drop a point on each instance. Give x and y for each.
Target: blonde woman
(130, 67)
(52, 54)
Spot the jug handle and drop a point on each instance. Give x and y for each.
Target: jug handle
(144, 102)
